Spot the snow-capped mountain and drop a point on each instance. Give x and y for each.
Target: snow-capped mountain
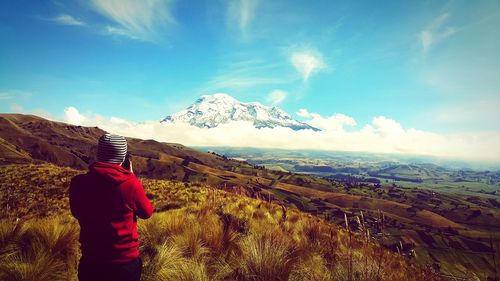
(209, 111)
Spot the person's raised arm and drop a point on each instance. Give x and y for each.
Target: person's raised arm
(144, 208)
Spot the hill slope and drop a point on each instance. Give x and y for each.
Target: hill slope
(198, 233)
(27, 138)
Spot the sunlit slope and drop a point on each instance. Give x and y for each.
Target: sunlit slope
(398, 210)
(197, 233)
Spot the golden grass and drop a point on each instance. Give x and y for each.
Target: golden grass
(208, 234)
(45, 249)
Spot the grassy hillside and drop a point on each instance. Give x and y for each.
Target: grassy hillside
(198, 233)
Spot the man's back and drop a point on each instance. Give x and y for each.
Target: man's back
(106, 202)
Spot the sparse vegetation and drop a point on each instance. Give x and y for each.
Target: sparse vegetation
(204, 234)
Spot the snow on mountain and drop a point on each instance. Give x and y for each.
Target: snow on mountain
(209, 111)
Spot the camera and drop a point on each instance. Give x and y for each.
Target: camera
(127, 163)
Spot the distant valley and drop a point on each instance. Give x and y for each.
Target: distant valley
(404, 171)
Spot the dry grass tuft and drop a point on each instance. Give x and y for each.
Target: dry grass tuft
(39, 250)
(266, 256)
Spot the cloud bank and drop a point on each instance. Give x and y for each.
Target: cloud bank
(340, 133)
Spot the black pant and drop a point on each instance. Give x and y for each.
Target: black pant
(110, 271)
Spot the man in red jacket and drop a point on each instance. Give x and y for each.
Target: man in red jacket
(107, 201)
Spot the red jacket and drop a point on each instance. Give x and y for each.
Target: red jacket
(107, 201)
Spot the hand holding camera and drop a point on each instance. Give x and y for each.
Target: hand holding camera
(127, 163)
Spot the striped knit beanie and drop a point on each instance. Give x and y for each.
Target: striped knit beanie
(111, 149)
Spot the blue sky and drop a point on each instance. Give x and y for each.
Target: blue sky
(430, 65)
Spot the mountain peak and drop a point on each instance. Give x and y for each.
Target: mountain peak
(209, 111)
(218, 96)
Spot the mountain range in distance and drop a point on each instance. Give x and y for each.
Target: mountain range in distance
(210, 111)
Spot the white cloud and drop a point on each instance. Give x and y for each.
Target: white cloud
(479, 113)
(435, 32)
(66, 19)
(439, 21)
(277, 96)
(241, 13)
(14, 94)
(307, 63)
(303, 113)
(382, 135)
(387, 127)
(232, 82)
(334, 123)
(243, 74)
(426, 39)
(120, 31)
(16, 108)
(73, 116)
(140, 20)
(5, 96)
